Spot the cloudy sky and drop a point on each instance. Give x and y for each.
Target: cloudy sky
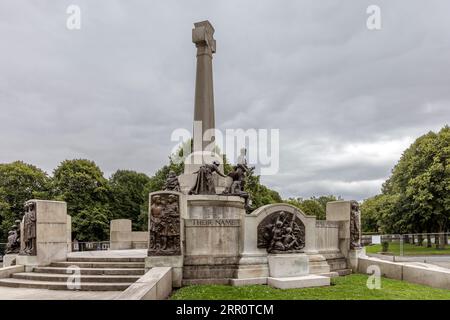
(347, 100)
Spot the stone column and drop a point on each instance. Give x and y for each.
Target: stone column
(349, 229)
(202, 36)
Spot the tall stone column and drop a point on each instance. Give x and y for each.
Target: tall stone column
(202, 36)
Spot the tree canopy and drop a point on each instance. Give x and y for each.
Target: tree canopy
(416, 197)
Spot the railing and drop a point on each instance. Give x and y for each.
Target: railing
(413, 244)
(90, 246)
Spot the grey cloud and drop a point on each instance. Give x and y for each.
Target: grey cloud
(116, 89)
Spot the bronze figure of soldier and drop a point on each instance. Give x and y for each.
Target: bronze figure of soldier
(29, 229)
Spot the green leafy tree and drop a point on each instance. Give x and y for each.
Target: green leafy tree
(92, 224)
(420, 187)
(314, 206)
(19, 182)
(259, 194)
(129, 192)
(81, 184)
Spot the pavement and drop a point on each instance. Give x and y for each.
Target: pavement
(43, 294)
(7, 293)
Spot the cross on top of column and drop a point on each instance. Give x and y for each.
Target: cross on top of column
(202, 35)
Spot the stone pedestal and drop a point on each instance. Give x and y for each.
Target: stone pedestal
(353, 256)
(120, 234)
(29, 262)
(51, 234)
(307, 281)
(342, 211)
(9, 260)
(288, 265)
(212, 232)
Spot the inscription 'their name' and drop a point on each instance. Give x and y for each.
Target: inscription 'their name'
(213, 222)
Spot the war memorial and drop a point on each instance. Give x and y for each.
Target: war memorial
(200, 230)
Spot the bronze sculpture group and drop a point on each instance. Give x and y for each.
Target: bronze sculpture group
(281, 232)
(28, 236)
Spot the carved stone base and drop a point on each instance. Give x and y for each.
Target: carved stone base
(288, 265)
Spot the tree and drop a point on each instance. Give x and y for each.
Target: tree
(314, 206)
(420, 187)
(259, 194)
(19, 182)
(92, 224)
(81, 184)
(379, 214)
(129, 192)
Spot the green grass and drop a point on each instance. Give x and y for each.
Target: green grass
(408, 249)
(352, 287)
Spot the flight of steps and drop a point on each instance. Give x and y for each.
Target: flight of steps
(96, 274)
(337, 263)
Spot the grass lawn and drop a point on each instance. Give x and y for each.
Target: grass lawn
(352, 287)
(408, 249)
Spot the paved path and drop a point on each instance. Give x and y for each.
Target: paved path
(132, 253)
(7, 293)
(42, 294)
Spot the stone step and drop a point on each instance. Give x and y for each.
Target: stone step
(82, 278)
(333, 255)
(105, 259)
(190, 282)
(93, 271)
(89, 264)
(337, 264)
(51, 285)
(344, 272)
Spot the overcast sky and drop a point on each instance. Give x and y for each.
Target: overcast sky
(347, 100)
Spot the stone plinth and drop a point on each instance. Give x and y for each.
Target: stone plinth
(299, 282)
(29, 262)
(212, 231)
(120, 234)
(340, 211)
(51, 234)
(288, 265)
(9, 260)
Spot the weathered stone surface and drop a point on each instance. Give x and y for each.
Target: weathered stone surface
(288, 265)
(9, 259)
(156, 284)
(202, 36)
(174, 262)
(248, 281)
(299, 282)
(388, 269)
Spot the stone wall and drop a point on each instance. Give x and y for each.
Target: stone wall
(425, 274)
(327, 236)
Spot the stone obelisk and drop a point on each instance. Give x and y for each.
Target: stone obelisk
(202, 36)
